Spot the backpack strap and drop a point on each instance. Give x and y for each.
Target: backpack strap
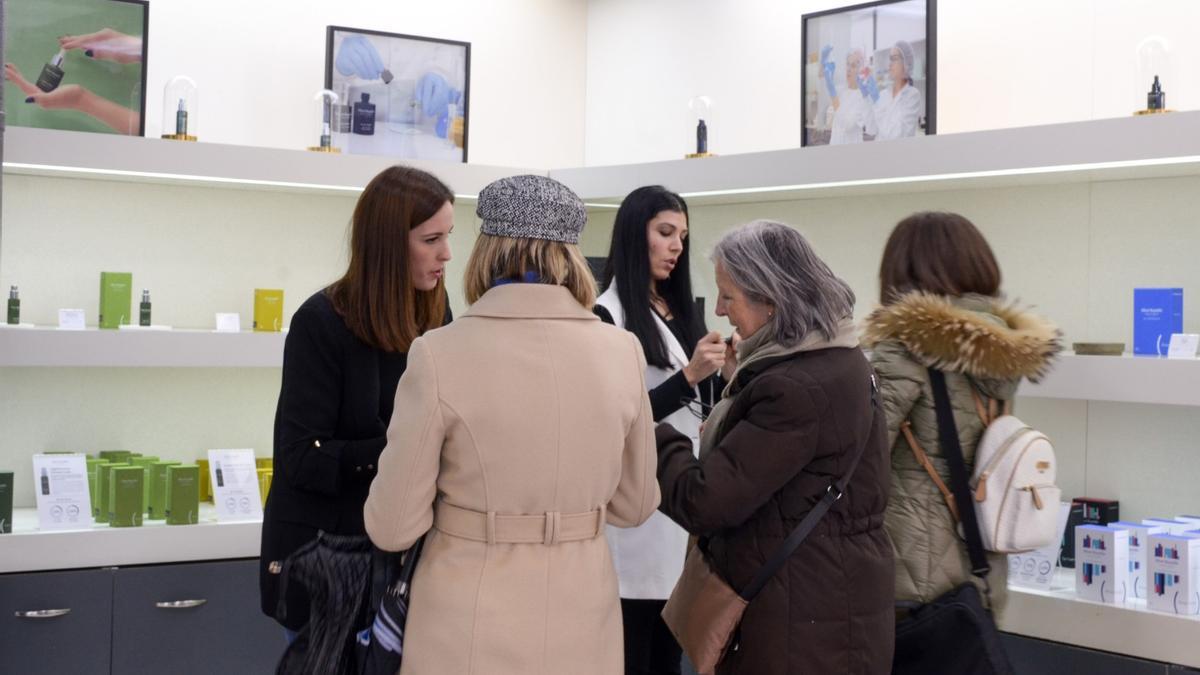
(993, 410)
(923, 460)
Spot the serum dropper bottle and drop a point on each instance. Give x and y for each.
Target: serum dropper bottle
(144, 309)
(14, 306)
(52, 73)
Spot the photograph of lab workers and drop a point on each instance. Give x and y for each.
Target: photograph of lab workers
(78, 65)
(867, 74)
(398, 95)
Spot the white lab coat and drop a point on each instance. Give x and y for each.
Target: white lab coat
(896, 116)
(850, 118)
(649, 558)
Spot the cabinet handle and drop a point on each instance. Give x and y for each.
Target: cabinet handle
(180, 604)
(43, 613)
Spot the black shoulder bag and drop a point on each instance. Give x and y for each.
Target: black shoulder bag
(955, 633)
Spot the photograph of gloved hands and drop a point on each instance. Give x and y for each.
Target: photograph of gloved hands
(52, 90)
(415, 88)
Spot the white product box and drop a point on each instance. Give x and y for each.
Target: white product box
(1102, 563)
(1194, 520)
(1173, 575)
(1174, 525)
(1138, 553)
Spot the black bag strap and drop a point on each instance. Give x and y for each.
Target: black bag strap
(833, 493)
(959, 485)
(409, 568)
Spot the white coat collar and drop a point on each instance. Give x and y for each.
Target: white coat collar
(610, 301)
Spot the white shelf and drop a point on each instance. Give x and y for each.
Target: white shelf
(1060, 616)
(111, 157)
(22, 347)
(1126, 379)
(27, 549)
(1134, 147)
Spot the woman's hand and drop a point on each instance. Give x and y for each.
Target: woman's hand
(731, 361)
(708, 358)
(105, 45)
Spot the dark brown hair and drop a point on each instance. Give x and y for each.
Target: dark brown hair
(376, 297)
(937, 252)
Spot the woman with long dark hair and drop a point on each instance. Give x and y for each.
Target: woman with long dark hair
(648, 291)
(345, 352)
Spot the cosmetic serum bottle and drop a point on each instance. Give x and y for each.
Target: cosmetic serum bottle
(45, 482)
(14, 306)
(220, 474)
(1157, 98)
(181, 122)
(364, 116)
(52, 73)
(701, 138)
(144, 309)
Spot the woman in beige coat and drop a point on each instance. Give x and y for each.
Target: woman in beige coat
(518, 432)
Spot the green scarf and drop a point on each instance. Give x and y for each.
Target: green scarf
(762, 346)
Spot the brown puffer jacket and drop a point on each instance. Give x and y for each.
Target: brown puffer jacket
(791, 430)
(980, 343)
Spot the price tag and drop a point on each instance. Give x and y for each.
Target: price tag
(70, 319)
(234, 477)
(61, 488)
(229, 323)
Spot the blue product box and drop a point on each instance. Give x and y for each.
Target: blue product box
(1157, 313)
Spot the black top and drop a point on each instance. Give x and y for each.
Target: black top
(335, 403)
(672, 393)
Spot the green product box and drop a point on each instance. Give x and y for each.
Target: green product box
(268, 310)
(116, 298)
(125, 507)
(103, 479)
(93, 466)
(157, 508)
(183, 494)
(120, 456)
(6, 501)
(144, 461)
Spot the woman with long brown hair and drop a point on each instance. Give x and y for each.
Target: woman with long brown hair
(345, 352)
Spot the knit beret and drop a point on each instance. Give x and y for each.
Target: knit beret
(531, 207)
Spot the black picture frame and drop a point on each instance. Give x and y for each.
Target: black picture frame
(145, 54)
(930, 128)
(330, 32)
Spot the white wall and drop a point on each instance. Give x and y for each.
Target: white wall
(258, 63)
(1001, 63)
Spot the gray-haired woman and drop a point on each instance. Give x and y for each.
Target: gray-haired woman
(800, 407)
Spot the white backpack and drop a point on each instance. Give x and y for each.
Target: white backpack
(1016, 500)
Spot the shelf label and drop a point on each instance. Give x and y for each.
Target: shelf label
(234, 477)
(1036, 568)
(1184, 346)
(61, 488)
(229, 322)
(70, 319)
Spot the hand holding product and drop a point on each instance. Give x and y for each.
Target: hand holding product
(357, 56)
(434, 93)
(868, 87)
(708, 358)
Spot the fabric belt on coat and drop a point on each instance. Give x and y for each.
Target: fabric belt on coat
(493, 528)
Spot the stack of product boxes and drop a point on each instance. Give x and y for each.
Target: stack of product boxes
(1157, 560)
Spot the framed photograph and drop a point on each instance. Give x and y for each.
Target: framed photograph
(78, 65)
(869, 72)
(403, 96)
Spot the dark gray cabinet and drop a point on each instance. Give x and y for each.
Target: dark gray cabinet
(192, 619)
(185, 619)
(56, 622)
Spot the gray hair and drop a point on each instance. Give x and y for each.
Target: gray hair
(773, 264)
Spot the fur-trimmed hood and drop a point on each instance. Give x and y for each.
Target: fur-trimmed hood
(981, 337)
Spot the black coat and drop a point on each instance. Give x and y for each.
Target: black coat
(331, 422)
(792, 429)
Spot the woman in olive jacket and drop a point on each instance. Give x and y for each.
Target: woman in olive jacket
(941, 307)
(800, 406)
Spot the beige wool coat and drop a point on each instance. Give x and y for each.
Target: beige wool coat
(526, 420)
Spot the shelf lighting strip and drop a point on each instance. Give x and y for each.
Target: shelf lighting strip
(995, 173)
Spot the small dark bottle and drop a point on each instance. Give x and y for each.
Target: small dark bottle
(14, 306)
(144, 309)
(1157, 98)
(701, 138)
(364, 116)
(220, 475)
(181, 122)
(45, 482)
(52, 74)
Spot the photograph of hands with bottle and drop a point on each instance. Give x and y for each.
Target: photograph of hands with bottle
(868, 73)
(78, 65)
(398, 95)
